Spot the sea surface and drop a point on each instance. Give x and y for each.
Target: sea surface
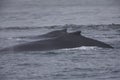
(82, 63)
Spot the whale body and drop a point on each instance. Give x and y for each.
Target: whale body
(68, 40)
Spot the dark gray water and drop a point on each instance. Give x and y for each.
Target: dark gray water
(97, 19)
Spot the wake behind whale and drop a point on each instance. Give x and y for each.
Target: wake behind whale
(66, 40)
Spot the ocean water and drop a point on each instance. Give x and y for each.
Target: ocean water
(82, 63)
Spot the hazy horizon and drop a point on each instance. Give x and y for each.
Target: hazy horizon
(58, 12)
(20, 3)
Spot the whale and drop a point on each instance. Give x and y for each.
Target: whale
(68, 40)
(51, 34)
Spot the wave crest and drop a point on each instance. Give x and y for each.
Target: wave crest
(112, 26)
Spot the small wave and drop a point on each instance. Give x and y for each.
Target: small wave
(18, 39)
(93, 26)
(30, 64)
(26, 39)
(18, 28)
(87, 48)
(28, 27)
(82, 48)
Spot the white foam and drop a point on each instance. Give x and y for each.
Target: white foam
(82, 48)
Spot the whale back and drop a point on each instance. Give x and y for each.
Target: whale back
(67, 40)
(54, 33)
